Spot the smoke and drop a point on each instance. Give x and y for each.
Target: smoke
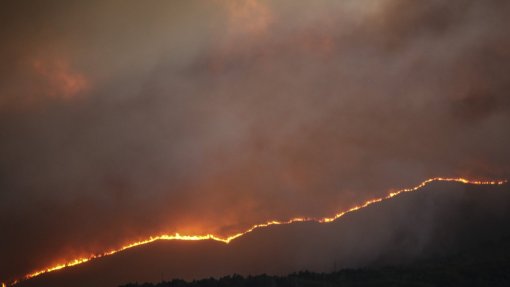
(120, 120)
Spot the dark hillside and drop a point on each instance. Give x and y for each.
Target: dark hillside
(435, 223)
(485, 265)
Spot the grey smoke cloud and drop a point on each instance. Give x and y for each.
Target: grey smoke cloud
(208, 117)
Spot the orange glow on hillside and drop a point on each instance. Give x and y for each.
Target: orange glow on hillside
(228, 239)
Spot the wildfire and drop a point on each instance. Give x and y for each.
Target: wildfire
(228, 239)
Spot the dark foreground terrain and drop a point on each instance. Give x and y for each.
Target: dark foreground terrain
(487, 265)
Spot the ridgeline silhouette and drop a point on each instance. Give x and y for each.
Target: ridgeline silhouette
(444, 219)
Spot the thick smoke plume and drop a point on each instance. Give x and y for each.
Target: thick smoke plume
(119, 120)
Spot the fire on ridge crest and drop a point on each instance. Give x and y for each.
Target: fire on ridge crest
(229, 238)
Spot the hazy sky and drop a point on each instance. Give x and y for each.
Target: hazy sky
(124, 119)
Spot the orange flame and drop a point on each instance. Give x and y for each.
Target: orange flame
(228, 239)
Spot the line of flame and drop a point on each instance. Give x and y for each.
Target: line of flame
(228, 239)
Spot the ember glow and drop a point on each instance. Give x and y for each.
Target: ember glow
(229, 238)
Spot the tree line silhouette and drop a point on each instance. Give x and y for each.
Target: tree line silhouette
(486, 265)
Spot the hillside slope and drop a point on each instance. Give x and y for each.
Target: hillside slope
(438, 221)
(484, 265)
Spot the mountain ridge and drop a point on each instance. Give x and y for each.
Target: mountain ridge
(290, 242)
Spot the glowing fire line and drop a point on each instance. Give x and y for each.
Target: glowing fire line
(228, 239)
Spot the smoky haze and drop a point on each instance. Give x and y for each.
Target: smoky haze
(121, 120)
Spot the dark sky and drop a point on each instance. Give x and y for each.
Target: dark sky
(124, 119)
